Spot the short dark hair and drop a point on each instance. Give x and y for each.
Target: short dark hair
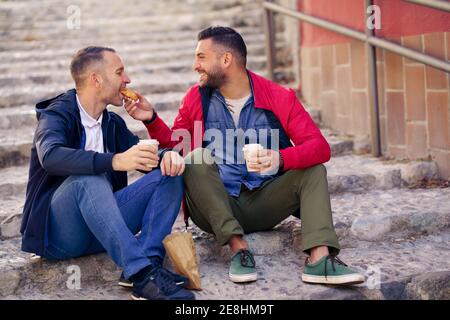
(83, 59)
(229, 38)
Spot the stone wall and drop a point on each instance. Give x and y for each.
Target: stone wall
(413, 98)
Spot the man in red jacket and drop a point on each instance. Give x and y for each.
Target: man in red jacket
(232, 106)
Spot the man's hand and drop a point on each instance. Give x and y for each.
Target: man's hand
(138, 157)
(172, 164)
(139, 110)
(267, 162)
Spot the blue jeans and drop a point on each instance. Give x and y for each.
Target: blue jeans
(87, 217)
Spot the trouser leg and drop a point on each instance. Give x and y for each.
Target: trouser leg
(85, 218)
(305, 190)
(151, 205)
(207, 200)
(214, 211)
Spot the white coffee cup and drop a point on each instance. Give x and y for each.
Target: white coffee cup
(149, 142)
(251, 150)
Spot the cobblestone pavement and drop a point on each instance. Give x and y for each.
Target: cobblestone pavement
(398, 237)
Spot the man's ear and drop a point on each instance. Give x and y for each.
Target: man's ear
(227, 59)
(96, 79)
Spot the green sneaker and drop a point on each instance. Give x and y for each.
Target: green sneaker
(243, 267)
(330, 270)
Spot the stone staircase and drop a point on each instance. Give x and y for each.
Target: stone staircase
(398, 236)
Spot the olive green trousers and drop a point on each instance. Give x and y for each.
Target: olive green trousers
(303, 192)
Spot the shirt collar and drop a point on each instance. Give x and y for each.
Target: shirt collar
(219, 96)
(86, 119)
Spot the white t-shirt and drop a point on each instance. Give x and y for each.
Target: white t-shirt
(235, 106)
(93, 130)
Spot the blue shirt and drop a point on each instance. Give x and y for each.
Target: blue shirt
(225, 141)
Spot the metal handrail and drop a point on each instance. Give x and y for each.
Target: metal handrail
(443, 5)
(371, 42)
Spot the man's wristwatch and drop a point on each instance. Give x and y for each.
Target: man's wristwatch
(151, 119)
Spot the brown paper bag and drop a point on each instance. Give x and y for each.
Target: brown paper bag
(181, 250)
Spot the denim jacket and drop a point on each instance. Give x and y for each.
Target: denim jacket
(225, 140)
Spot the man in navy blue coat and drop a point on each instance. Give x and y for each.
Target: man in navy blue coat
(78, 201)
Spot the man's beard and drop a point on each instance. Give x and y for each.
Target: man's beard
(113, 96)
(215, 78)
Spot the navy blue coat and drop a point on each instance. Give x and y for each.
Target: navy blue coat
(58, 152)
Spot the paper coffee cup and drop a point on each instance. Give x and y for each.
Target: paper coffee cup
(149, 142)
(251, 150)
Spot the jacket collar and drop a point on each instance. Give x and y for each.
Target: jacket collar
(259, 92)
(70, 104)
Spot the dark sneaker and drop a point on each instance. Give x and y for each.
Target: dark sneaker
(243, 267)
(330, 270)
(158, 285)
(126, 283)
(177, 278)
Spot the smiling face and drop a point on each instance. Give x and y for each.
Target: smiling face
(113, 79)
(208, 64)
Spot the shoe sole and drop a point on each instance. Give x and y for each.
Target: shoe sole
(243, 278)
(130, 285)
(347, 280)
(125, 284)
(133, 297)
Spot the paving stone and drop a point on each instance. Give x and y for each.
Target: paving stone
(430, 286)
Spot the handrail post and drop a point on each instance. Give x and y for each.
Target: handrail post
(269, 30)
(373, 89)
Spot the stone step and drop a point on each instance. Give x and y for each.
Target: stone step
(358, 173)
(42, 29)
(12, 192)
(11, 214)
(25, 116)
(17, 117)
(115, 11)
(147, 80)
(142, 68)
(396, 216)
(130, 58)
(50, 15)
(389, 268)
(15, 146)
(140, 35)
(140, 12)
(172, 49)
(152, 86)
(155, 89)
(12, 97)
(13, 182)
(14, 81)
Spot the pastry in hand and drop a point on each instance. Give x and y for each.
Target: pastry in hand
(130, 94)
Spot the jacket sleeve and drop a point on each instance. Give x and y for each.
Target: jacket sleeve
(159, 130)
(57, 158)
(310, 146)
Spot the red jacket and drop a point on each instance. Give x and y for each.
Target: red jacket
(310, 147)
